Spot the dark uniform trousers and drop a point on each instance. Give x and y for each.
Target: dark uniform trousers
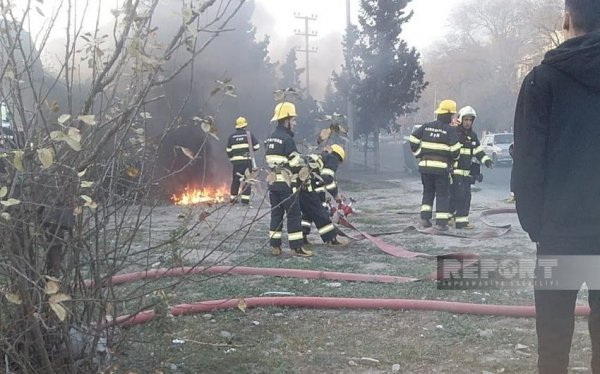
(285, 202)
(436, 187)
(555, 317)
(460, 199)
(240, 167)
(313, 211)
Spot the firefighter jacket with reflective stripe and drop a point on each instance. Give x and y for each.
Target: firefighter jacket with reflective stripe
(281, 154)
(324, 180)
(470, 148)
(238, 149)
(436, 146)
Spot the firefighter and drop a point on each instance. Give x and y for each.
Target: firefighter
(436, 146)
(311, 203)
(284, 160)
(240, 150)
(460, 191)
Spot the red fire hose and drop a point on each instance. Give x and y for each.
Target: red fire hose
(342, 303)
(241, 270)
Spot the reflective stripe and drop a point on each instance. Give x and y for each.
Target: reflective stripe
(245, 198)
(309, 188)
(435, 146)
(465, 151)
(240, 146)
(462, 220)
(477, 150)
(325, 205)
(443, 215)
(227, 149)
(306, 223)
(455, 147)
(256, 147)
(273, 160)
(417, 152)
(295, 160)
(275, 234)
(426, 208)
(485, 158)
(239, 158)
(295, 236)
(461, 172)
(433, 164)
(331, 186)
(325, 229)
(320, 189)
(327, 171)
(413, 139)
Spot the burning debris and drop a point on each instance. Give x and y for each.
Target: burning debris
(203, 195)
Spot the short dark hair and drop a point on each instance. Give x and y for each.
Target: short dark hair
(585, 14)
(445, 118)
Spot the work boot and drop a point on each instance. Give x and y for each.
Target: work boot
(302, 252)
(441, 227)
(338, 241)
(276, 251)
(426, 223)
(466, 226)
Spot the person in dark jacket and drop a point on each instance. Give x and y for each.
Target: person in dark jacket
(285, 162)
(460, 191)
(436, 146)
(556, 175)
(238, 149)
(312, 196)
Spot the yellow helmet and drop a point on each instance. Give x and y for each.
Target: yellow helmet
(283, 110)
(240, 123)
(337, 149)
(446, 106)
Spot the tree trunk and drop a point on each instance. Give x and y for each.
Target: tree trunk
(376, 150)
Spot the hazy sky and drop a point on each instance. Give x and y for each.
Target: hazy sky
(276, 18)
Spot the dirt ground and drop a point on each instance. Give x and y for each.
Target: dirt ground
(288, 340)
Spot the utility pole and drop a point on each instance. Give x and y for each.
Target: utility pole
(349, 106)
(307, 50)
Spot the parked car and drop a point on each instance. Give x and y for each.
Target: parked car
(496, 147)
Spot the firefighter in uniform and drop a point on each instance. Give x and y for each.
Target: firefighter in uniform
(311, 199)
(436, 146)
(283, 159)
(238, 151)
(460, 191)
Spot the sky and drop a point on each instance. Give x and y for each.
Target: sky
(276, 18)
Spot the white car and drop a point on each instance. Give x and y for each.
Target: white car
(496, 147)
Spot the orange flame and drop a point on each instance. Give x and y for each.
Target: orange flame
(193, 195)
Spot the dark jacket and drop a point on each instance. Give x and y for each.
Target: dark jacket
(556, 172)
(470, 148)
(238, 149)
(436, 145)
(281, 154)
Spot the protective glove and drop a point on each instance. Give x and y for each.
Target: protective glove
(488, 164)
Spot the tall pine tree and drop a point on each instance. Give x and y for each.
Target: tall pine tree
(385, 75)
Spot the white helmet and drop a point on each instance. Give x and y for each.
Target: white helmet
(466, 111)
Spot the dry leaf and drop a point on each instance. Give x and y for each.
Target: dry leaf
(59, 298)
(51, 288)
(13, 298)
(60, 312)
(187, 152)
(86, 198)
(51, 278)
(88, 119)
(145, 115)
(18, 161)
(46, 156)
(242, 304)
(10, 202)
(132, 172)
(324, 135)
(205, 126)
(86, 184)
(271, 178)
(74, 134)
(82, 173)
(3, 191)
(5, 216)
(64, 118)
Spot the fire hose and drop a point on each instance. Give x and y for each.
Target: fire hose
(341, 303)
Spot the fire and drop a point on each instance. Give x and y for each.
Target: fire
(193, 195)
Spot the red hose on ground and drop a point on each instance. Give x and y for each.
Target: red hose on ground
(241, 270)
(345, 303)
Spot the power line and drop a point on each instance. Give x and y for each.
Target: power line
(307, 49)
